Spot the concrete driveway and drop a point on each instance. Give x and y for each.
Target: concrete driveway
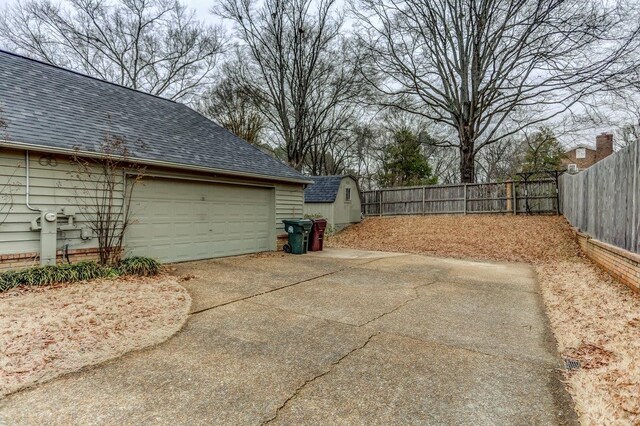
(339, 337)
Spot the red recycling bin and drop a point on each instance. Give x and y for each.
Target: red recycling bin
(317, 234)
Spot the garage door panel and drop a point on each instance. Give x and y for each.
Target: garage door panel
(182, 220)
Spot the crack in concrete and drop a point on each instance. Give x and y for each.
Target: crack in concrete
(332, 366)
(403, 304)
(299, 389)
(251, 296)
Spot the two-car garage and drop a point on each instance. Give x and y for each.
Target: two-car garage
(176, 220)
(205, 192)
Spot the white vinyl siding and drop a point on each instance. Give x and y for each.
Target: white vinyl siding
(54, 184)
(324, 210)
(289, 204)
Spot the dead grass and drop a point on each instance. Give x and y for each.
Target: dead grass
(596, 320)
(49, 331)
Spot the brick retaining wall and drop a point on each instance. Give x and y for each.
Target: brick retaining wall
(27, 260)
(620, 264)
(282, 239)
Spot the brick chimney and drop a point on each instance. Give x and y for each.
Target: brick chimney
(604, 146)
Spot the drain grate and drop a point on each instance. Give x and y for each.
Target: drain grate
(571, 364)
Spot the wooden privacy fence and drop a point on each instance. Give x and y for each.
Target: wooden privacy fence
(603, 201)
(517, 197)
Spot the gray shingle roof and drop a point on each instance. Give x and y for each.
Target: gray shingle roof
(323, 189)
(51, 107)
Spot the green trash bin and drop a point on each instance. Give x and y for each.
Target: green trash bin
(298, 231)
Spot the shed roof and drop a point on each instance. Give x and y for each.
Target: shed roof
(56, 109)
(324, 189)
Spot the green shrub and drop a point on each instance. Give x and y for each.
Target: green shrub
(331, 230)
(143, 266)
(111, 272)
(81, 271)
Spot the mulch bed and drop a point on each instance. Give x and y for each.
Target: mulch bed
(596, 320)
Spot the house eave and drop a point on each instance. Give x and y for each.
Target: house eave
(149, 162)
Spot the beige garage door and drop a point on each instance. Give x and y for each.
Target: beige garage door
(184, 220)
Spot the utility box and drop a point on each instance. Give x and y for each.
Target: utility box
(48, 236)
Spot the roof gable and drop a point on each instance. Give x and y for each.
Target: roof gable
(51, 107)
(583, 146)
(324, 189)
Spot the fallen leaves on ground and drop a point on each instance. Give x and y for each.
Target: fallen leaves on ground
(591, 356)
(49, 331)
(596, 319)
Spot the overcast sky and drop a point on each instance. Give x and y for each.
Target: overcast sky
(202, 8)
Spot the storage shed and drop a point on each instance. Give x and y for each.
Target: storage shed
(336, 198)
(205, 192)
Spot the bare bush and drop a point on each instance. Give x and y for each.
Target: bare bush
(105, 195)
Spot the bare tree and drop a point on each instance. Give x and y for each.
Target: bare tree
(443, 161)
(627, 134)
(473, 64)
(228, 103)
(156, 46)
(296, 69)
(366, 155)
(500, 161)
(105, 195)
(627, 127)
(333, 151)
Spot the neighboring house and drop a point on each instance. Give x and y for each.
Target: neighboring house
(581, 157)
(335, 198)
(206, 193)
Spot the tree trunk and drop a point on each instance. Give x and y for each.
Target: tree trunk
(295, 156)
(467, 164)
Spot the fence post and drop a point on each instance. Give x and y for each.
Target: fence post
(509, 190)
(515, 198)
(424, 196)
(465, 198)
(380, 203)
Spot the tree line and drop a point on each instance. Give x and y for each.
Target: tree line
(395, 92)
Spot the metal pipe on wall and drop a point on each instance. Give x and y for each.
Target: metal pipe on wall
(27, 189)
